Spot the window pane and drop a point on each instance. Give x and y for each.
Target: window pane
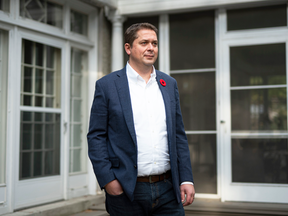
(77, 110)
(258, 65)
(54, 14)
(76, 160)
(37, 164)
(42, 11)
(77, 86)
(27, 79)
(154, 20)
(197, 100)
(27, 132)
(26, 165)
(38, 101)
(28, 52)
(260, 17)
(38, 141)
(39, 49)
(41, 79)
(50, 82)
(260, 160)
(259, 109)
(79, 22)
(192, 40)
(204, 162)
(50, 56)
(5, 5)
(37, 137)
(77, 134)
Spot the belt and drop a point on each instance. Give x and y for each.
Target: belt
(154, 178)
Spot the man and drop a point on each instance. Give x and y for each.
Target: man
(137, 144)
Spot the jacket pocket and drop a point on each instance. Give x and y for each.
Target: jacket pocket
(114, 161)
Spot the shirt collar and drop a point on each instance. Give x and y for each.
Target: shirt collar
(134, 76)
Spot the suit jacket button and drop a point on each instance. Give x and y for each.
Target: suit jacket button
(135, 166)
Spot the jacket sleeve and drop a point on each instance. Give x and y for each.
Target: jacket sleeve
(97, 137)
(183, 154)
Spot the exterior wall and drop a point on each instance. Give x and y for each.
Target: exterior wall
(133, 7)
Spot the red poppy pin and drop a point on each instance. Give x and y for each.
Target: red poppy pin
(163, 83)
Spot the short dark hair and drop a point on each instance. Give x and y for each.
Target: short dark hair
(131, 32)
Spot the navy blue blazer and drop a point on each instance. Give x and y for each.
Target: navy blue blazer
(112, 139)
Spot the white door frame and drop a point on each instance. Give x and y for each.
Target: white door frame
(251, 192)
(45, 189)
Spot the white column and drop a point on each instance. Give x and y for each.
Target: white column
(164, 46)
(117, 42)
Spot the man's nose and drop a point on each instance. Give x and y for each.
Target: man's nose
(150, 46)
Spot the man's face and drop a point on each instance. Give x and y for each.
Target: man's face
(144, 51)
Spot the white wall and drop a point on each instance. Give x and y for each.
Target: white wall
(129, 7)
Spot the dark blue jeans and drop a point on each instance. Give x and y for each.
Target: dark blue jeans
(155, 199)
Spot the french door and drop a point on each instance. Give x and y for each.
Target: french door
(39, 177)
(254, 119)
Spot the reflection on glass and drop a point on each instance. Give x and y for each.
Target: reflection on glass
(192, 40)
(260, 160)
(204, 162)
(49, 102)
(259, 109)
(197, 100)
(258, 65)
(260, 17)
(78, 22)
(42, 11)
(39, 139)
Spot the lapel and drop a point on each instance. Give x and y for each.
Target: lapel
(167, 102)
(122, 86)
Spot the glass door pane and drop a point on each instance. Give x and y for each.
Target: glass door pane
(259, 105)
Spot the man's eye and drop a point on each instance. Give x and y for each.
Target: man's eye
(144, 43)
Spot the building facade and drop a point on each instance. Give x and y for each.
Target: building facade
(230, 60)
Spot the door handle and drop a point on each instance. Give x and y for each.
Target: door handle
(222, 121)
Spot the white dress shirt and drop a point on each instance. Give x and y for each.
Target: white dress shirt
(150, 124)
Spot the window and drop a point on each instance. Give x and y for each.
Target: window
(79, 23)
(4, 5)
(40, 75)
(42, 11)
(192, 64)
(260, 17)
(40, 130)
(78, 99)
(3, 103)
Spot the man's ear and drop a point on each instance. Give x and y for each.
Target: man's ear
(127, 48)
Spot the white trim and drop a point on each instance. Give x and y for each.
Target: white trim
(164, 45)
(201, 132)
(193, 70)
(257, 87)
